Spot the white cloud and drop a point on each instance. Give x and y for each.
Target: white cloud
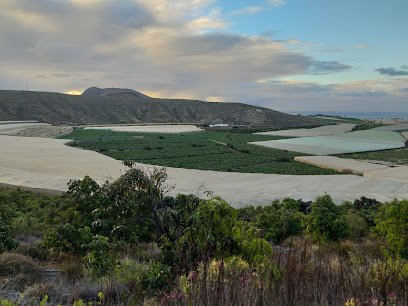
(249, 10)
(277, 3)
(204, 23)
(164, 48)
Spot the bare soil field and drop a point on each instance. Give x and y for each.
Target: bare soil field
(405, 134)
(396, 174)
(319, 131)
(47, 131)
(148, 128)
(340, 164)
(15, 127)
(46, 163)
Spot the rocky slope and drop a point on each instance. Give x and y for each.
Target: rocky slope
(97, 106)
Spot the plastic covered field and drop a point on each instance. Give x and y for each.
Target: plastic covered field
(149, 128)
(48, 164)
(396, 127)
(360, 141)
(319, 131)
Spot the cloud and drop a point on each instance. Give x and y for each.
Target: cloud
(325, 67)
(212, 21)
(392, 71)
(178, 48)
(215, 99)
(277, 3)
(249, 10)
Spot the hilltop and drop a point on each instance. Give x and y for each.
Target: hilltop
(113, 92)
(119, 106)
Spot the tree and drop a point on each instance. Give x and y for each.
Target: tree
(280, 220)
(392, 224)
(6, 241)
(212, 229)
(126, 210)
(326, 221)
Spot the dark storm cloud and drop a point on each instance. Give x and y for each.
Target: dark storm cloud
(392, 71)
(325, 67)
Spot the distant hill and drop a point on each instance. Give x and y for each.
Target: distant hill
(98, 106)
(113, 92)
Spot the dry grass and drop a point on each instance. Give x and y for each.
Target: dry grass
(301, 274)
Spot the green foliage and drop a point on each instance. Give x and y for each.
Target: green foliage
(280, 220)
(68, 238)
(212, 229)
(209, 150)
(125, 210)
(366, 126)
(367, 208)
(256, 249)
(392, 224)
(131, 272)
(157, 277)
(326, 221)
(6, 241)
(356, 225)
(396, 156)
(25, 212)
(101, 258)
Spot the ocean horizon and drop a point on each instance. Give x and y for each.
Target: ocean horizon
(359, 115)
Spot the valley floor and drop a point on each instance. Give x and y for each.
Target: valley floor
(49, 164)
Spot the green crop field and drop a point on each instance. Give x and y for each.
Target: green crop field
(210, 150)
(397, 156)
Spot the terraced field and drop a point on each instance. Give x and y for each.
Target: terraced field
(209, 150)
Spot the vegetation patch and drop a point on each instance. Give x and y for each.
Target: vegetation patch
(397, 156)
(127, 243)
(210, 150)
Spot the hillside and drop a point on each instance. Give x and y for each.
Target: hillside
(95, 108)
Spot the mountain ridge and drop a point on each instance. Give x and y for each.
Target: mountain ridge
(57, 108)
(113, 92)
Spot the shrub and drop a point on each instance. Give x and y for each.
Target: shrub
(356, 225)
(6, 241)
(131, 272)
(12, 263)
(326, 221)
(392, 224)
(36, 251)
(280, 220)
(157, 277)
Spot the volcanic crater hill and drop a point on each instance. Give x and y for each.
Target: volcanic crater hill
(115, 106)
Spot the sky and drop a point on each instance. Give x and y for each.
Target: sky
(289, 55)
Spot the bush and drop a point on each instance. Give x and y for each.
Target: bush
(157, 277)
(36, 251)
(280, 220)
(6, 241)
(12, 263)
(131, 272)
(326, 221)
(392, 224)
